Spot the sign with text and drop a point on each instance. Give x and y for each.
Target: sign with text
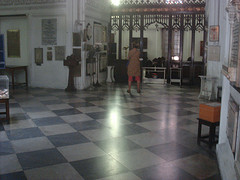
(49, 31)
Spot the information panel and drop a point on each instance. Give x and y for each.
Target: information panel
(49, 31)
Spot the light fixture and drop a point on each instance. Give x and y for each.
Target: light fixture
(175, 58)
(116, 2)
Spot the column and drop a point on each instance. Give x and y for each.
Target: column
(181, 40)
(120, 39)
(169, 47)
(141, 35)
(130, 31)
(193, 50)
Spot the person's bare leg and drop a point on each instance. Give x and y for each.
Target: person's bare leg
(129, 86)
(138, 86)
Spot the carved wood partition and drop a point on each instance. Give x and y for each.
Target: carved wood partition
(183, 15)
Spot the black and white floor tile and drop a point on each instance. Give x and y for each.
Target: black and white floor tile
(105, 134)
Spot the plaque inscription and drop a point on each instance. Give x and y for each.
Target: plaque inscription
(13, 43)
(235, 44)
(49, 31)
(59, 53)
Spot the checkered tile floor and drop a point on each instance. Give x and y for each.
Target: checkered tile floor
(105, 134)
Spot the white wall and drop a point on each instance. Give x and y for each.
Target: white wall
(51, 74)
(154, 42)
(17, 23)
(187, 36)
(198, 38)
(217, 16)
(125, 43)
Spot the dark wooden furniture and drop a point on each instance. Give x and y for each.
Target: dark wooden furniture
(212, 132)
(71, 61)
(6, 102)
(12, 69)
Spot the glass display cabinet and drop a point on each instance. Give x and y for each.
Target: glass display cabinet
(4, 87)
(4, 96)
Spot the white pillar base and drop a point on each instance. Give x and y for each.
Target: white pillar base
(110, 74)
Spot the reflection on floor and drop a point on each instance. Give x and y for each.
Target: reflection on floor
(105, 134)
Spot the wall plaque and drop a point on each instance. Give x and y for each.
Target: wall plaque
(214, 33)
(97, 33)
(76, 39)
(38, 56)
(137, 41)
(49, 31)
(59, 53)
(13, 43)
(213, 53)
(77, 52)
(235, 44)
(49, 56)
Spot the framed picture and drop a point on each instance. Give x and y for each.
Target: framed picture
(49, 56)
(214, 33)
(137, 41)
(38, 56)
(13, 43)
(88, 32)
(59, 53)
(77, 52)
(76, 39)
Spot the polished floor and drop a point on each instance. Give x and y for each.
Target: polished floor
(105, 134)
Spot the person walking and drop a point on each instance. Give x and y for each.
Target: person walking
(133, 68)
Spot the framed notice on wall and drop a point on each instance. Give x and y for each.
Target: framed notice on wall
(13, 43)
(49, 31)
(76, 39)
(59, 53)
(38, 56)
(49, 55)
(214, 33)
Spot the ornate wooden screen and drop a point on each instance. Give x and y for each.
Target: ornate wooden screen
(178, 15)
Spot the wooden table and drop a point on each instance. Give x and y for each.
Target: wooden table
(12, 70)
(161, 70)
(179, 72)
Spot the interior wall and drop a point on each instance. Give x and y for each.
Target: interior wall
(50, 74)
(154, 38)
(198, 39)
(125, 43)
(17, 23)
(187, 45)
(21, 24)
